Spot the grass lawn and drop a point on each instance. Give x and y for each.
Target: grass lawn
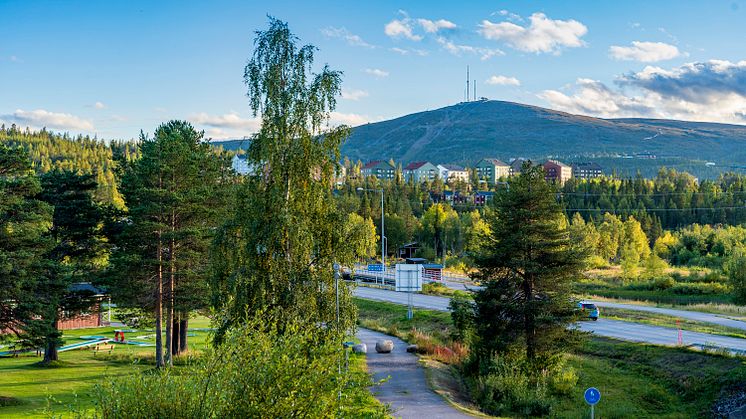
(663, 320)
(72, 381)
(636, 380)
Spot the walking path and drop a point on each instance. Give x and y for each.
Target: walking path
(406, 391)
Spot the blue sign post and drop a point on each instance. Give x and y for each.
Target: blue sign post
(592, 396)
(375, 267)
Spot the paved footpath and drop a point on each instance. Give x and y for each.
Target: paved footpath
(406, 391)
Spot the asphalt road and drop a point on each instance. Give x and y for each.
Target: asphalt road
(683, 314)
(629, 331)
(406, 389)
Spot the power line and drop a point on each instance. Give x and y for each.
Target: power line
(615, 211)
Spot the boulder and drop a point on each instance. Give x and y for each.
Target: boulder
(412, 349)
(384, 346)
(360, 348)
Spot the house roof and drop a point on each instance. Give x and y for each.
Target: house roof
(587, 166)
(557, 162)
(496, 162)
(517, 164)
(376, 163)
(453, 167)
(86, 288)
(416, 165)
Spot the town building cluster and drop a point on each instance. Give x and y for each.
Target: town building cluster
(491, 171)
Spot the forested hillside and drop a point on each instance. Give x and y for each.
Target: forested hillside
(86, 155)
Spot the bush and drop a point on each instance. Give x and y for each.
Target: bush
(700, 288)
(263, 369)
(506, 389)
(462, 313)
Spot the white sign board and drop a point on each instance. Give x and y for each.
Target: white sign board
(408, 277)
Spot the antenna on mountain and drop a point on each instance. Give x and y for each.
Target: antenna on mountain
(467, 83)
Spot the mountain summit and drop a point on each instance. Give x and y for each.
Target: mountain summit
(466, 132)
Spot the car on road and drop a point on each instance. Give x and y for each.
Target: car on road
(589, 310)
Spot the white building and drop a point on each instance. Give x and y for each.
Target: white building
(452, 172)
(241, 165)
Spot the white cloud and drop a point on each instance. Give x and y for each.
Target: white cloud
(503, 81)
(351, 119)
(354, 94)
(377, 72)
(456, 49)
(714, 90)
(407, 51)
(510, 16)
(14, 59)
(646, 52)
(431, 26)
(541, 35)
(99, 105)
(343, 33)
(40, 118)
(230, 120)
(401, 28)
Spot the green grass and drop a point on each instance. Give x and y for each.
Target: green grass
(71, 382)
(636, 380)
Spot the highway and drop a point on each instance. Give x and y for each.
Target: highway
(629, 331)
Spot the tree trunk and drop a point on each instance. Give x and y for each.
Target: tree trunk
(183, 328)
(528, 320)
(159, 308)
(176, 334)
(50, 352)
(170, 321)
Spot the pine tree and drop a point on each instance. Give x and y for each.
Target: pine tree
(527, 264)
(24, 223)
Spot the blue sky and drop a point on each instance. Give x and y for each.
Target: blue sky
(114, 68)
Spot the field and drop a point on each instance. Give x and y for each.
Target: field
(30, 390)
(636, 380)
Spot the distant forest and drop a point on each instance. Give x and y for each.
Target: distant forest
(82, 154)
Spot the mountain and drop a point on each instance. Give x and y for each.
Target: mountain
(466, 132)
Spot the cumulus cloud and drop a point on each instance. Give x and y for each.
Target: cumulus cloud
(542, 34)
(646, 52)
(230, 120)
(353, 94)
(40, 118)
(401, 28)
(377, 72)
(343, 33)
(503, 81)
(351, 119)
(457, 49)
(99, 105)
(433, 26)
(702, 91)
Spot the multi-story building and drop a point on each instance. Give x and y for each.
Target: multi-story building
(420, 171)
(379, 169)
(452, 172)
(241, 165)
(586, 170)
(490, 170)
(556, 171)
(516, 165)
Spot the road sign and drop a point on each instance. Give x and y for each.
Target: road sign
(592, 396)
(375, 267)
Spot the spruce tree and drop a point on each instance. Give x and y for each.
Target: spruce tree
(526, 264)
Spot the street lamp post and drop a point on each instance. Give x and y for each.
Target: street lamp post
(383, 237)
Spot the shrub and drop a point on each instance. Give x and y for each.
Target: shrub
(700, 288)
(462, 313)
(263, 369)
(506, 389)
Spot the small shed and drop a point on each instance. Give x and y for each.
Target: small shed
(408, 250)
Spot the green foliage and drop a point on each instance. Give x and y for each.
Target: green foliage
(24, 240)
(509, 386)
(82, 154)
(278, 247)
(736, 270)
(266, 367)
(462, 313)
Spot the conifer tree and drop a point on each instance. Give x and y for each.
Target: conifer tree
(527, 263)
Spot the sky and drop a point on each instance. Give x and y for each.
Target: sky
(116, 68)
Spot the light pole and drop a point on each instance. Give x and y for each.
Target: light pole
(383, 237)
